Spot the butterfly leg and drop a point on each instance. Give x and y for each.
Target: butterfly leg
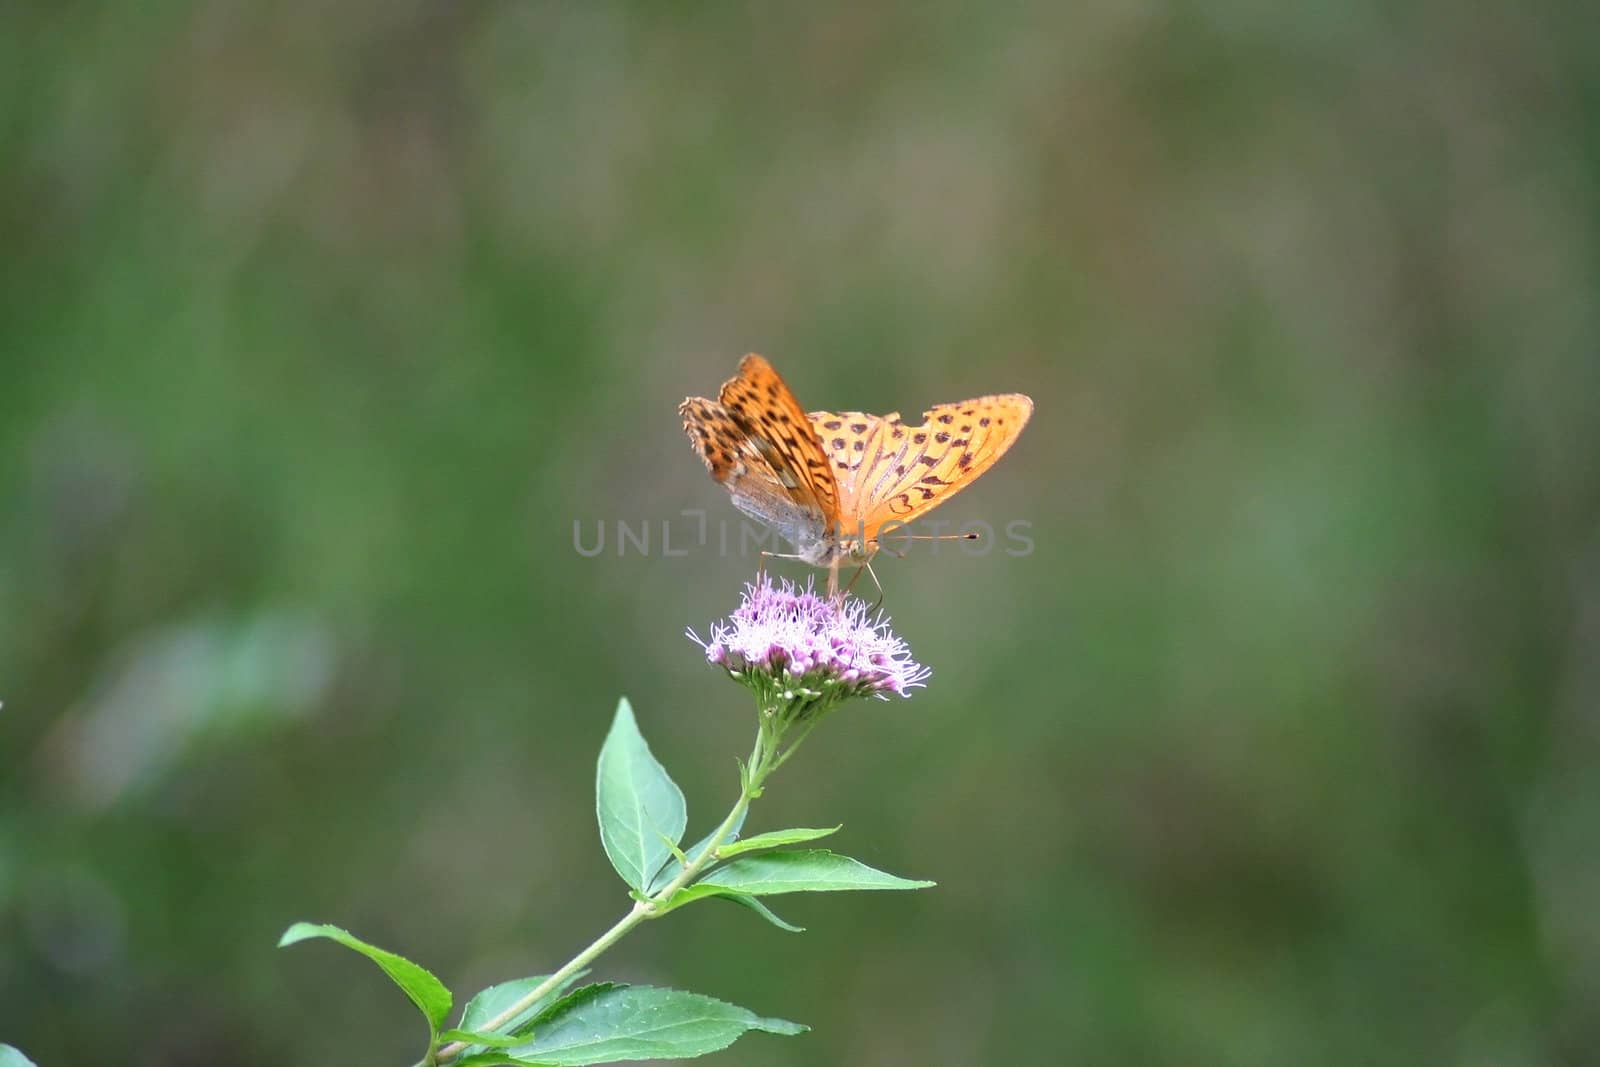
(846, 590)
(874, 576)
(761, 568)
(867, 567)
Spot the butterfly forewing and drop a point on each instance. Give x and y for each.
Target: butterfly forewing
(777, 426)
(887, 471)
(757, 442)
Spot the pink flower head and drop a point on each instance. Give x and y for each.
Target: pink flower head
(803, 653)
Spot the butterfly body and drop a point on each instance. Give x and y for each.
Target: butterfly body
(835, 484)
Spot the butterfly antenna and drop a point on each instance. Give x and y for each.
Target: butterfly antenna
(940, 537)
(901, 553)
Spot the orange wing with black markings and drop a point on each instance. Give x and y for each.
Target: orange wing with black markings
(888, 471)
(758, 443)
(831, 481)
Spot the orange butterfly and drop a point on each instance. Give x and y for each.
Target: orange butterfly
(832, 483)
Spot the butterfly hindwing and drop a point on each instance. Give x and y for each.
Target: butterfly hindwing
(862, 448)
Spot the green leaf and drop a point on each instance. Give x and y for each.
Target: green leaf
(606, 1023)
(491, 1001)
(487, 1003)
(762, 910)
(773, 839)
(478, 1037)
(641, 809)
(13, 1057)
(426, 992)
(672, 870)
(801, 871)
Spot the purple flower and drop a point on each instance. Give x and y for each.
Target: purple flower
(803, 654)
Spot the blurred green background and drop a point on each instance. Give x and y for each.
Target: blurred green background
(322, 324)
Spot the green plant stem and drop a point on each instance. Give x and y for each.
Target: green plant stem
(764, 759)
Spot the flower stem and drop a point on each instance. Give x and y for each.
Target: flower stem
(763, 761)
